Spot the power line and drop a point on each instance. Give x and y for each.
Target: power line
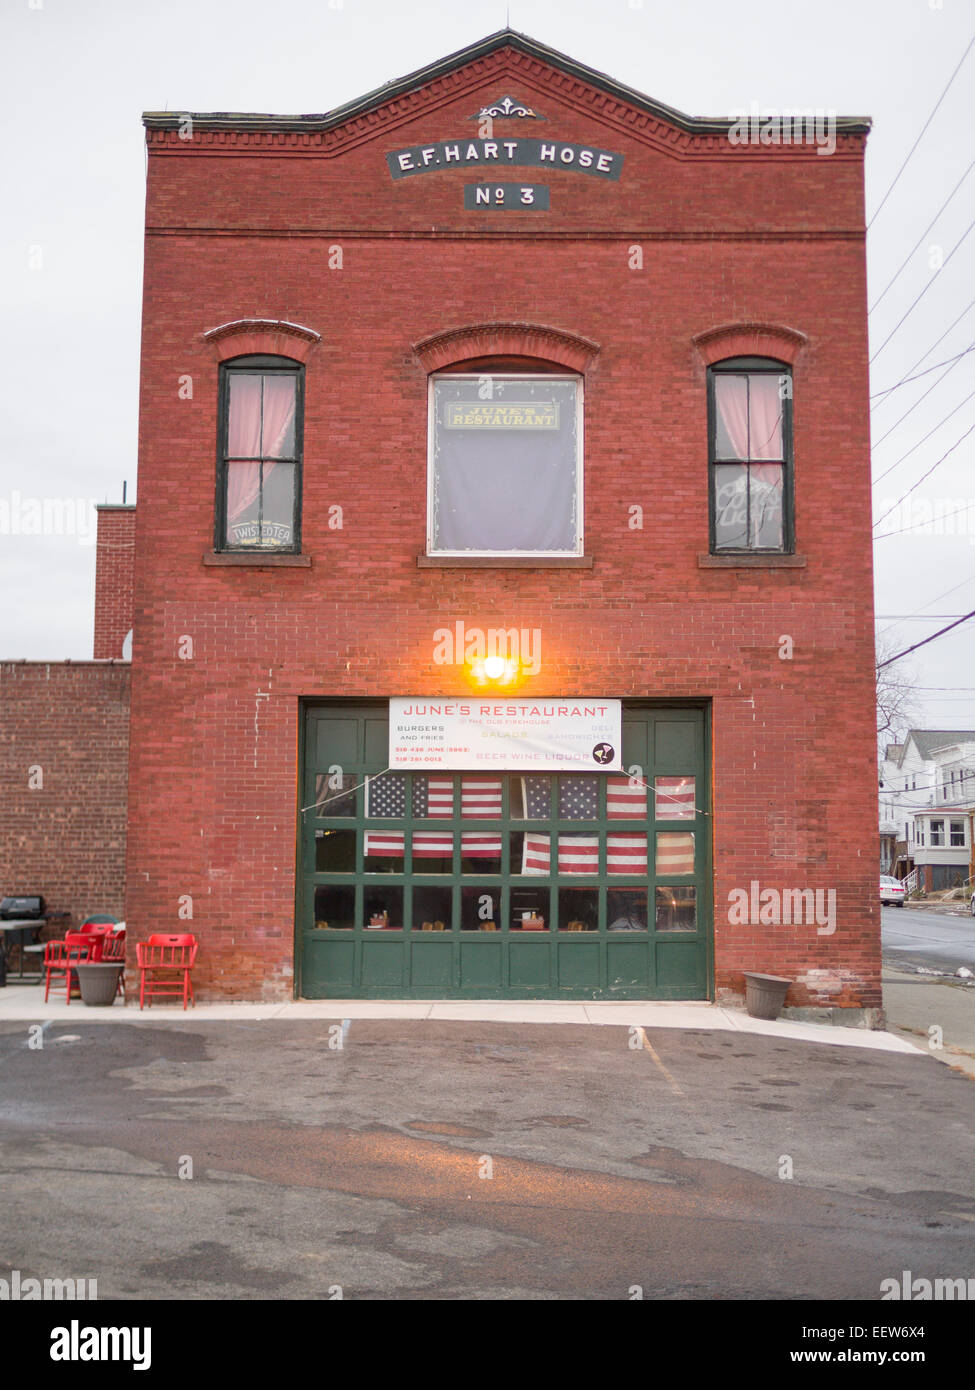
(927, 229)
(907, 377)
(923, 129)
(927, 371)
(926, 437)
(917, 301)
(937, 598)
(914, 525)
(920, 398)
(924, 642)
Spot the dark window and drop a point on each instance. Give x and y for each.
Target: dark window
(937, 832)
(259, 459)
(750, 434)
(957, 833)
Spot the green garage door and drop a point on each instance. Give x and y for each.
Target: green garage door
(504, 886)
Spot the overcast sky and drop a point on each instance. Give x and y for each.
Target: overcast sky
(77, 74)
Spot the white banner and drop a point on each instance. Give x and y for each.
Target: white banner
(506, 734)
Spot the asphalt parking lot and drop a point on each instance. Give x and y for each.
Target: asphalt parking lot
(442, 1160)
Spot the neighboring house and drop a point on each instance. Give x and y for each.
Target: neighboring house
(927, 802)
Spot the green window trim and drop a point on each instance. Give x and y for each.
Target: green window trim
(752, 367)
(267, 366)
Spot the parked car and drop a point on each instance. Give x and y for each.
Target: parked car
(892, 891)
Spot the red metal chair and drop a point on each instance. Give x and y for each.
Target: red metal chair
(164, 963)
(60, 957)
(99, 933)
(113, 949)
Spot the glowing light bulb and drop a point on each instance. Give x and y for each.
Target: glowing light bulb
(494, 667)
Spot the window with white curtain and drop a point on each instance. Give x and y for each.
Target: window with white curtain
(505, 467)
(750, 432)
(259, 462)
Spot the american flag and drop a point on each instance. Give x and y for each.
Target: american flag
(674, 798)
(579, 800)
(675, 854)
(433, 797)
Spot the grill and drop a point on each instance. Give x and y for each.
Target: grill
(30, 906)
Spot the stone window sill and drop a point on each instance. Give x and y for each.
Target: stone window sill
(255, 560)
(751, 562)
(505, 562)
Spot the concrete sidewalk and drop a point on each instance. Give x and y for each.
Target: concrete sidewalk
(24, 1004)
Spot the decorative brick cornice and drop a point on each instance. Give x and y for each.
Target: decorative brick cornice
(750, 340)
(272, 337)
(568, 350)
(501, 57)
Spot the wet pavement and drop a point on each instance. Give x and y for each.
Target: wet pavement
(456, 1160)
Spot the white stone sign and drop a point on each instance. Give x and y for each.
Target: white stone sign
(504, 734)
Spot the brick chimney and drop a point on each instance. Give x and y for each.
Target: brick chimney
(114, 562)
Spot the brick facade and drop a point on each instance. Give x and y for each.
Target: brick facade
(114, 566)
(64, 741)
(744, 250)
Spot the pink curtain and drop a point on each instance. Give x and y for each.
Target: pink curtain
(749, 423)
(279, 418)
(765, 417)
(261, 425)
(731, 399)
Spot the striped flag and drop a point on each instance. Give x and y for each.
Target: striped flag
(579, 854)
(433, 797)
(579, 800)
(674, 798)
(626, 799)
(480, 799)
(675, 854)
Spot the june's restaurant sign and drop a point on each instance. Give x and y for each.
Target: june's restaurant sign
(501, 415)
(506, 735)
(498, 154)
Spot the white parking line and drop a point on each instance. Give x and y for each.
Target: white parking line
(648, 1046)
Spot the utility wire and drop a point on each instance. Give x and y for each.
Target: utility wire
(930, 432)
(923, 129)
(927, 229)
(927, 371)
(940, 633)
(917, 301)
(939, 617)
(913, 527)
(920, 398)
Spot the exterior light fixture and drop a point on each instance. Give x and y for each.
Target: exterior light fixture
(495, 671)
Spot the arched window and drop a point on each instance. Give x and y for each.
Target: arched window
(505, 459)
(259, 454)
(750, 453)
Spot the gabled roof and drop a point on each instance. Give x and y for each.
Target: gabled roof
(504, 38)
(927, 741)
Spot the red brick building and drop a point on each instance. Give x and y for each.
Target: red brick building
(506, 361)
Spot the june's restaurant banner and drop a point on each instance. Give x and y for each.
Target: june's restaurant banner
(506, 735)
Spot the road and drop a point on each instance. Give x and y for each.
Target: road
(938, 940)
(449, 1160)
